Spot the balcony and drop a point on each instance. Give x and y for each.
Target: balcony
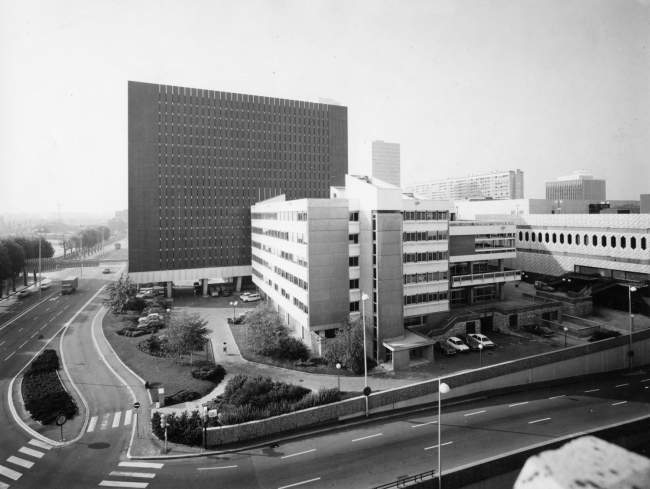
(486, 278)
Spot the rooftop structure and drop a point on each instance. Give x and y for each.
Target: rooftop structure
(386, 162)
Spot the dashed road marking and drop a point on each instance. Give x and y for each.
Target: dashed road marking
(9, 357)
(23, 344)
(518, 404)
(423, 424)
(621, 385)
(538, 421)
(592, 390)
(366, 437)
(477, 412)
(617, 403)
(141, 465)
(140, 485)
(300, 453)
(557, 397)
(215, 468)
(442, 445)
(299, 483)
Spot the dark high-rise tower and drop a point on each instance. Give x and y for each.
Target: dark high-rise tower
(198, 160)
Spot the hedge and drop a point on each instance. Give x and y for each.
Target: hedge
(44, 396)
(185, 429)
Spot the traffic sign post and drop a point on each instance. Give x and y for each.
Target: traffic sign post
(60, 421)
(136, 410)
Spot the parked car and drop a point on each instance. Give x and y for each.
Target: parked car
(214, 292)
(149, 321)
(151, 310)
(250, 298)
(106, 270)
(482, 339)
(457, 344)
(24, 293)
(471, 342)
(538, 330)
(444, 348)
(226, 293)
(153, 315)
(146, 294)
(544, 286)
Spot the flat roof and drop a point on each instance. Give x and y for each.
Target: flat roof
(410, 340)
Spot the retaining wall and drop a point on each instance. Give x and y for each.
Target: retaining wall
(600, 356)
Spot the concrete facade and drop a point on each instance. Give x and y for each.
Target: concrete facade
(386, 162)
(581, 185)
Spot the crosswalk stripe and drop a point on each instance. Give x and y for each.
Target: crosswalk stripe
(141, 485)
(4, 486)
(127, 417)
(142, 465)
(92, 424)
(116, 419)
(104, 421)
(29, 451)
(142, 475)
(40, 444)
(12, 474)
(20, 461)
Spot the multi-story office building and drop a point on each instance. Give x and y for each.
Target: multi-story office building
(314, 259)
(198, 159)
(386, 162)
(580, 185)
(498, 185)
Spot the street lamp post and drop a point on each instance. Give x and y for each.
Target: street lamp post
(338, 375)
(81, 257)
(364, 298)
(40, 269)
(629, 295)
(234, 305)
(442, 389)
(480, 354)
(565, 330)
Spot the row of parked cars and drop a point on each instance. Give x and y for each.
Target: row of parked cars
(463, 343)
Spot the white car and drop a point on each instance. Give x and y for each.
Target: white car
(482, 339)
(146, 294)
(245, 294)
(457, 344)
(45, 285)
(153, 315)
(250, 297)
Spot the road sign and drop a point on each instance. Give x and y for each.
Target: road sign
(136, 405)
(60, 421)
(212, 413)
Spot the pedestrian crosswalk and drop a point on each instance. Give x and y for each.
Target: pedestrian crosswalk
(16, 465)
(101, 421)
(120, 478)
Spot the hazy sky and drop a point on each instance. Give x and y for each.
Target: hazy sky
(464, 86)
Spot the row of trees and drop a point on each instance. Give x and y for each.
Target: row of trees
(92, 237)
(13, 253)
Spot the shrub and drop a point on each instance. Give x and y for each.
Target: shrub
(154, 346)
(259, 391)
(44, 396)
(214, 373)
(181, 396)
(292, 348)
(185, 429)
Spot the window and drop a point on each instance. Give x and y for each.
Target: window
(586, 241)
(577, 239)
(354, 261)
(526, 235)
(532, 235)
(521, 238)
(354, 306)
(354, 216)
(554, 238)
(633, 243)
(354, 283)
(613, 242)
(623, 242)
(568, 237)
(353, 238)
(603, 241)
(594, 240)
(546, 237)
(643, 243)
(539, 237)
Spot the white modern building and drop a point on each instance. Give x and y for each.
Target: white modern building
(386, 162)
(315, 259)
(497, 185)
(580, 185)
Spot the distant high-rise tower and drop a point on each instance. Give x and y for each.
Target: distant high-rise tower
(580, 185)
(385, 162)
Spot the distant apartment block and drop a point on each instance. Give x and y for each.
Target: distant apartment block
(314, 259)
(493, 209)
(580, 185)
(199, 159)
(386, 162)
(498, 185)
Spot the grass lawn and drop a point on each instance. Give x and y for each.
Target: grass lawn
(160, 372)
(320, 367)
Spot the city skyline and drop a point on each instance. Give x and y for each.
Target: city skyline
(548, 87)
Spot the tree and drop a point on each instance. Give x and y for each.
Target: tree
(17, 256)
(67, 245)
(120, 294)
(187, 333)
(346, 347)
(5, 266)
(264, 326)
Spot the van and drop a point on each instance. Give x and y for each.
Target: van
(250, 298)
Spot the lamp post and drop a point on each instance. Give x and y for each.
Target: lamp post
(40, 269)
(364, 298)
(631, 289)
(338, 375)
(81, 258)
(442, 389)
(480, 354)
(234, 305)
(565, 330)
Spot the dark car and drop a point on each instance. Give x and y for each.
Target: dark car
(473, 343)
(444, 348)
(226, 293)
(538, 330)
(604, 334)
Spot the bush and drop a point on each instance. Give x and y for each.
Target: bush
(154, 346)
(260, 391)
(292, 348)
(215, 373)
(186, 429)
(44, 396)
(181, 396)
(603, 334)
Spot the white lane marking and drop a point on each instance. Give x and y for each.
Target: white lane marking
(116, 419)
(593, 390)
(300, 453)
(20, 329)
(127, 417)
(40, 444)
(215, 468)
(142, 465)
(142, 475)
(518, 404)
(539, 420)
(20, 461)
(299, 483)
(47, 309)
(477, 412)
(141, 485)
(366, 437)
(104, 421)
(7, 472)
(9, 357)
(442, 445)
(621, 385)
(33, 335)
(557, 397)
(5, 342)
(617, 403)
(29, 451)
(35, 318)
(23, 344)
(646, 380)
(92, 424)
(423, 424)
